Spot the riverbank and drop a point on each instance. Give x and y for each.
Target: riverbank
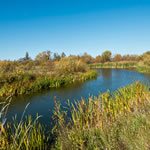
(122, 65)
(119, 65)
(20, 83)
(109, 121)
(117, 121)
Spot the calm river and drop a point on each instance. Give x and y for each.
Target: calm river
(43, 102)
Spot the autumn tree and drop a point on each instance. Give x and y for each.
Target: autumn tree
(27, 56)
(98, 59)
(86, 58)
(56, 57)
(145, 58)
(117, 57)
(106, 56)
(44, 56)
(63, 55)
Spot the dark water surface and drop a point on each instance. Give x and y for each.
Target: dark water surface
(43, 102)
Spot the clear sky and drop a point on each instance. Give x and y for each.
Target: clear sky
(73, 26)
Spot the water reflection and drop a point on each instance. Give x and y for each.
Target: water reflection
(106, 73)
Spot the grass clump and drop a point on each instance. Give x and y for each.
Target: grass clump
(24, 135)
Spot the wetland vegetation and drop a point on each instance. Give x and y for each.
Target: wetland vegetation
(139, 63)
(26, 76)
(112, 120)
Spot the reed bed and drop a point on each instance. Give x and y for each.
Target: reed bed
(100, 122)
(22, 135)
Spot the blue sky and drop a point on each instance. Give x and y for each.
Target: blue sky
(73, 26)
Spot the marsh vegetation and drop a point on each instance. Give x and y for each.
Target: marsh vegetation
(112, 120)
(26, 76)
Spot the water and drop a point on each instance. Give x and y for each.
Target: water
(43, 102)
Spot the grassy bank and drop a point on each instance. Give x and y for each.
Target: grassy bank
(143, 69)
(19, 82)
(110, 121)
(118, 65)
(119, 121)
(123, 65)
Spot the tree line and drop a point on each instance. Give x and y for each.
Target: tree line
(106, 56)
(47, 59)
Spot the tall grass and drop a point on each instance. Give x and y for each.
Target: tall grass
(120, 120)
(23, 135)
(100, 122)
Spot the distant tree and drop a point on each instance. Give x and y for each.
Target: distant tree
(56, 57)
(86, 58)
(139, 58)
(98, 59)
(27, 56)
(106, 56)
(63, 55)
(24, 59)
(147, 53)
(129, 57)
(126, 57)
(145, 58)
(44, 56)
(117, 57)
(48, 53)
(39, 57)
